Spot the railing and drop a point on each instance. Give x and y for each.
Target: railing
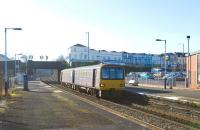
(172, 82)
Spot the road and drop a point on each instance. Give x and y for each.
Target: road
(47, 108)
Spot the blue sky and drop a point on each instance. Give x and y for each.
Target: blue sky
(51, 26)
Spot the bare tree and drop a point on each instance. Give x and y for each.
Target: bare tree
(60, 58)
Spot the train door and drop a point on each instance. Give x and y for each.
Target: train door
(94, 77)
(73, 76)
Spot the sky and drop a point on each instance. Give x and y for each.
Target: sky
(50, 27)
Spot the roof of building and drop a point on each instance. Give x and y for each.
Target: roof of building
(124, 52)
(195, 52)
(140, 53)
(2, 57)
(79, 45)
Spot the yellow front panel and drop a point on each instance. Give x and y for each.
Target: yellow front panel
(112, 84)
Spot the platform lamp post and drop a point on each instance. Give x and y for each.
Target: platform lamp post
(165, 80)
(28, 58)
(16, 63)
(188, 62)
(6, 64)
(25, 82)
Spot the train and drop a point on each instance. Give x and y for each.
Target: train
(94, 79)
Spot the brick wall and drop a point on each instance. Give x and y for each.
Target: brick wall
(193, 71)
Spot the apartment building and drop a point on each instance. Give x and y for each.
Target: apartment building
(79, 52)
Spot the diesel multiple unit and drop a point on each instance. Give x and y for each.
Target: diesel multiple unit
(94, 79)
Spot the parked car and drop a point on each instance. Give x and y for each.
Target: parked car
(175, 75)
(133, 82)
(146, 76)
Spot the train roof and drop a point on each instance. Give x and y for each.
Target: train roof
(93, 66)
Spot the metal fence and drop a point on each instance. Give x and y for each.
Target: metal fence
(171, 82)
(1, 85)
(160, 82)
(12, 82)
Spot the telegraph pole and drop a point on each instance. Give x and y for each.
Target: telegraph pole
(88, 34)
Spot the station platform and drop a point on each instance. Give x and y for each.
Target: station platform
(181, 95)
(46, 108)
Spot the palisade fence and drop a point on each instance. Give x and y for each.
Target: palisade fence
(172, 82)
(12, 84)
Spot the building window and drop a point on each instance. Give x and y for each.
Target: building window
(85, 56)
(75, 56)
(74, 49)
(80, 56)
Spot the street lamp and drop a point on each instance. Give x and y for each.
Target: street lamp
(188, 72)
(26, 58)
(164, 61)
(6, 66)
(88, 34)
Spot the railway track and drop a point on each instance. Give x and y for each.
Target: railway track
(177, 109)
(151, 113)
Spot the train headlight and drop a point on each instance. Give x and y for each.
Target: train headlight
(102, 85)
(122, 85)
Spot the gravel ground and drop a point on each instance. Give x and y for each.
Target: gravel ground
(47, 108)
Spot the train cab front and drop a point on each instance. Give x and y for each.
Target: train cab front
(112, 78)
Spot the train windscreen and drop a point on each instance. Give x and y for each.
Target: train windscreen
(112, 73)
